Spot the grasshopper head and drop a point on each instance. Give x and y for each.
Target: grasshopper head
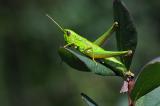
(69, 35)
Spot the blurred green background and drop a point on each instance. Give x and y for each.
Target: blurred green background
(31, 71)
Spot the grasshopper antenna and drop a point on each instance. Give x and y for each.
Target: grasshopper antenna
(55, 22)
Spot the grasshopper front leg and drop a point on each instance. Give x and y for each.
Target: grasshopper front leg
(67, 45)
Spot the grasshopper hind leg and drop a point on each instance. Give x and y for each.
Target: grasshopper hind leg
(107, 54)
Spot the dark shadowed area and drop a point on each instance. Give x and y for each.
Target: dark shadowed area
(31, 71)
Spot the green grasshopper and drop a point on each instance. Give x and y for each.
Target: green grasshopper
(93, 49)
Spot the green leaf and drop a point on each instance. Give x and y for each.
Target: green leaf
(80, 62)
(147, 80)
(88, 100)
(126, 34)
(150, 99)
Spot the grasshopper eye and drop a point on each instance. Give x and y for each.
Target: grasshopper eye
(68, 33)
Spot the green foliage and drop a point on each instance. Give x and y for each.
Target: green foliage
(147, 80)
(83, 63)
(126, 34)
(103, 67)
(150, 99)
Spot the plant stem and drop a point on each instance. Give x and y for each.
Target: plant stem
(130, 87)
